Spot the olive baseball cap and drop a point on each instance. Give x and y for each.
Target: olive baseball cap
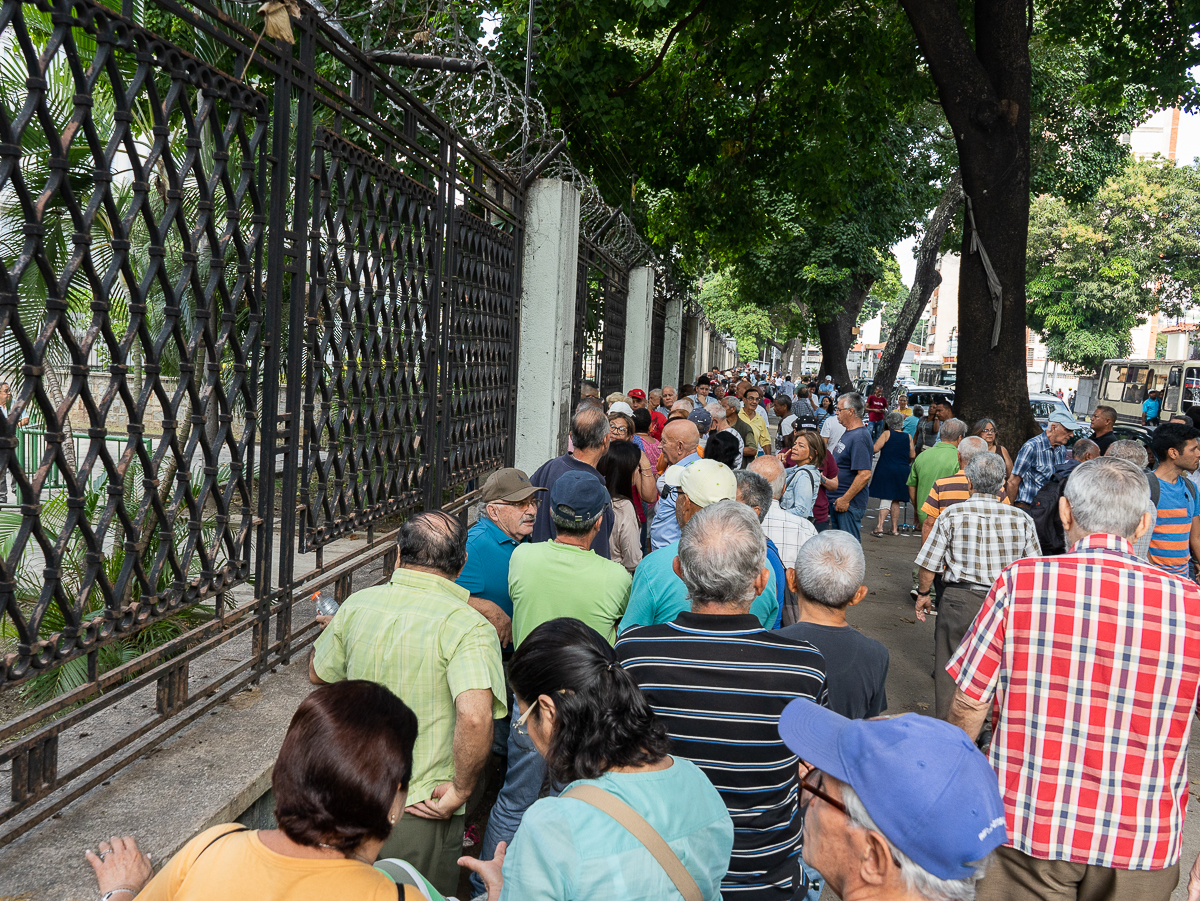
(509, 486)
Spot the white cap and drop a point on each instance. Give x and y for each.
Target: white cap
(703, 481)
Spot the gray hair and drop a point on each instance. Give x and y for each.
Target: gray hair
(894, 420)
(1085, 446)
(572, 526)
(917, 880)
(986, 472)
(434, 540)
(969, 447)
(830, 568)
(1128, 449)
(952, 430)
(855, 402)
(1108, 495)
(683, 404)
(589, 428)
(754, 491)
(770, 468)
(721, 552)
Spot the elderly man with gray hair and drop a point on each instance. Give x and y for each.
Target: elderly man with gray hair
(1135, 453)
(703, 676)
(1092, 649)
(785, 530)
(971, 543)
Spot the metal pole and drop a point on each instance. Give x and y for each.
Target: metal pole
(528, 81)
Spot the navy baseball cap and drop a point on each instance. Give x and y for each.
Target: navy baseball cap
(702, 418)
(579, 497)
(924, 783)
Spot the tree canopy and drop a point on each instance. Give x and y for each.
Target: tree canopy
(1098, 269)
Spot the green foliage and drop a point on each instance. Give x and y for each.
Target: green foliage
(745, 321)
(1096, 270)
(887, 295)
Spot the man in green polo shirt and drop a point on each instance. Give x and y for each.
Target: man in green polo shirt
(547, 580)
(419, 637)
(934, 463)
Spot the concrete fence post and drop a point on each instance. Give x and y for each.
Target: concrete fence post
(639, 308)
(672, 341)
(551, 255)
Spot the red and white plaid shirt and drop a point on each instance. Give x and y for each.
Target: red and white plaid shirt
(1094, 661)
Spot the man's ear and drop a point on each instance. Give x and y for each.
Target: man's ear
(677, 566)
(858, 595)
(875, 864)
(792, 582)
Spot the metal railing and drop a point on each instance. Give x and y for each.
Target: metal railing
(311, 282)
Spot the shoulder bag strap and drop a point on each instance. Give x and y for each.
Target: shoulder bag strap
(218, 838)
(643, 832)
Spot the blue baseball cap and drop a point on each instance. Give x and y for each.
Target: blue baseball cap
(579, 497)
(924, 783)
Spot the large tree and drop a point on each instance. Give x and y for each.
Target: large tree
(1095, 270)
(979, 58)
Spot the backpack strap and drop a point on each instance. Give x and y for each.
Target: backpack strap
(643, 832)
(1154, 488)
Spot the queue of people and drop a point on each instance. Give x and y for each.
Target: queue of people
(650, 632)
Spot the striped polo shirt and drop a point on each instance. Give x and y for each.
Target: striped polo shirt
(719, 684)
(1177, 506)
(950, 490)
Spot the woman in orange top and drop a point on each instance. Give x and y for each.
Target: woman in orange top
(340, 783)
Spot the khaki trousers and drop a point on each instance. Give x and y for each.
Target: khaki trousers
(1015, 876)
(957, 609)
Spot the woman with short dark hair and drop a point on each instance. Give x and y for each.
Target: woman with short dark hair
(723, 447)
(340, 782)
(592, 723)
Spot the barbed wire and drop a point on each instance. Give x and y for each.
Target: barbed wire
(490, 110)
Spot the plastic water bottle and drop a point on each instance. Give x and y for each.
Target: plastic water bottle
(326, 606)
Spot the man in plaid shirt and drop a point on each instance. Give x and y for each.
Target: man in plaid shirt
(1090, 662)
(971, 542)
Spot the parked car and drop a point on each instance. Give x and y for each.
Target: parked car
(1042, 404)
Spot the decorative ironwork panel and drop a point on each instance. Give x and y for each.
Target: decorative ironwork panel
(615, 287)
(367, 405)
(479, 391)
(658, 325)
(131, 232)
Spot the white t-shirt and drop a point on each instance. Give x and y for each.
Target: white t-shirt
(832, 431)
(786, 425)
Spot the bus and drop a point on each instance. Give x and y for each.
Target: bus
(1124, 384)
(939, 375)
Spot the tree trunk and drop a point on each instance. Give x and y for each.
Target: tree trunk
(836, 337)
(984, 87)
(927, 278)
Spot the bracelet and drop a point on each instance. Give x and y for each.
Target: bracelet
(923, 594)
(107, 896)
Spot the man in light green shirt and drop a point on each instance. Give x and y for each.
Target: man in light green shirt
(418, 636)
(564, 577)
(934, 463)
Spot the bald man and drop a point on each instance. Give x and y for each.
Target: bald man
(680, 438)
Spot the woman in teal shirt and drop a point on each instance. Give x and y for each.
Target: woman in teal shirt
(590, 721)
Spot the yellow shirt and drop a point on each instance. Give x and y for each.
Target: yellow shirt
(907, 411)
(241, 866)
(762, 434)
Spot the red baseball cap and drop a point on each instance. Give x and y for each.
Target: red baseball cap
(636, 392)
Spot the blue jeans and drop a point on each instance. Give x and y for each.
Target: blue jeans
(815, 883)
(850, 521)
(876, 429)
(522, 785)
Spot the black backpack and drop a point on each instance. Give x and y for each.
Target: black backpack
(1044, 511)
(805, 420)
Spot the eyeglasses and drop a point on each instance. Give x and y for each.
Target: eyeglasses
(524, 718)
(810, 786)
(532, 501)
(618, 430)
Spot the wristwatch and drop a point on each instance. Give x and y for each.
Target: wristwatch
(923, 594)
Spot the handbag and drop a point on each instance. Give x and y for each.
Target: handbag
(610, 804)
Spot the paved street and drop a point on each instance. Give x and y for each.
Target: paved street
(886, 614)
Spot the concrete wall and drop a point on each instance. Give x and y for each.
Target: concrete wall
(547, 320)
(638, 312)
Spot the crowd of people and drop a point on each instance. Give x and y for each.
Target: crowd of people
(650, 632)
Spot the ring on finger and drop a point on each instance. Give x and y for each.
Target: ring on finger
(104, 854)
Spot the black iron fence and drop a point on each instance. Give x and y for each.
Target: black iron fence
(304, 288)
(601, 296)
